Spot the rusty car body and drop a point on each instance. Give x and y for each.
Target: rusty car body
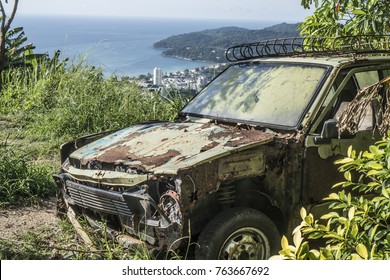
(243, 157)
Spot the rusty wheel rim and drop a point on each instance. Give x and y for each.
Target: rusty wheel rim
(245, 244)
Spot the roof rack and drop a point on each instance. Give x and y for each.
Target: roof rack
(305, 46)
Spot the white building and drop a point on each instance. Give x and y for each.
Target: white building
(157, 76)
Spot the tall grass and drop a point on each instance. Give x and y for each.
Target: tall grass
(53, 100)
(22, 182)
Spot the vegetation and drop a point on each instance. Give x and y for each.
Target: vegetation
(346, 17)
(357, 226)
(53, 101)
(18, 53)
(49, 103)
(60, 243)
(210, 45)
(22, 182)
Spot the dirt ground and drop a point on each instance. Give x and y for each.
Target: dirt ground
(15, 221)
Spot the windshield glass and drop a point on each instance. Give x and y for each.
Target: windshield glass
(276, 94)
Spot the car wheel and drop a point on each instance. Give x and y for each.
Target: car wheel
(238, 234)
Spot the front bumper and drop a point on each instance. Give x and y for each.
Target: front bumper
(132, 215)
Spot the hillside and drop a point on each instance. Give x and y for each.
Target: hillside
(210, 44)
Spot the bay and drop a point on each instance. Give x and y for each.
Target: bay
(121, 46)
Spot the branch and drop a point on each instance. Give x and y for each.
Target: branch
(3, 15)
(11, 18)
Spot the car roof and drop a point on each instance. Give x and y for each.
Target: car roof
(324, 60)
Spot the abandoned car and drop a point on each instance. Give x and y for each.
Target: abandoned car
(245, 154)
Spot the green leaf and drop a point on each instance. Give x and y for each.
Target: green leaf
(297, 239)
(355, 230)
(349, 152)
(373, 184)
(375, 150)
(355, 257)
(309, 219)
(385, 193)
(343, 161)
(348, 176)
(284, 243)
(338, 184)
(313, 255)
(330, 215)
(358, 12)
(377, 199)
(374, 165)
(362, 251)
(303, 213)
(332, 196)
(351, 213)
(368, 155)
(372, 172)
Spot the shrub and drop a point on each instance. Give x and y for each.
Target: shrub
(358, 223)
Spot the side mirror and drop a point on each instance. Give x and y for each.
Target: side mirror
(329, 131)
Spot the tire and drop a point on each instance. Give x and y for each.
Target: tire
(238, 234)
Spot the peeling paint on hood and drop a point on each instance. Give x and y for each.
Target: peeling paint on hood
(166, 148)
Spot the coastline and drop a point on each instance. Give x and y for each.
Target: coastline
(128, 47)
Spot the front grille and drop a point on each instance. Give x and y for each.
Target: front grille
(109, 202)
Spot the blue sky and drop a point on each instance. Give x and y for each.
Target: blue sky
(278, 10)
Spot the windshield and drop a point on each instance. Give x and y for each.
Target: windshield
(270, 93)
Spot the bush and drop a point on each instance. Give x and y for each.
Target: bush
(358, 223)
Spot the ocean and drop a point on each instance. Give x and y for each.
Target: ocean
(121, 46)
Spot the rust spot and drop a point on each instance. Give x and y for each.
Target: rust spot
(240, 137)
(175, 126)
(206, 125)
(247, 136)
(209, 146)
(182, 126)
(114, 154)
(183, 158)
(133, 135)
(154, 160)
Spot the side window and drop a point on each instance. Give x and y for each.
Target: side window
(386, 73)
(348, 93)
(364, 79)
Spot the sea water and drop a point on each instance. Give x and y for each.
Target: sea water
(121, 46)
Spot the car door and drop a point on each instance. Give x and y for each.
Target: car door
(319, 171)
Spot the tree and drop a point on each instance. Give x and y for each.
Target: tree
(16, 52)
(5, 24)
(346, 17)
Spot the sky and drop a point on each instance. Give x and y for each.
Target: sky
(270, 10)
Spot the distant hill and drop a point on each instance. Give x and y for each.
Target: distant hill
(211, 44)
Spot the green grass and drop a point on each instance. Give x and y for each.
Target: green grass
(61, 242)
(23, 182)
(64, 102)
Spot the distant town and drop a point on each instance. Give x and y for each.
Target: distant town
(190, 81)
(207, 45)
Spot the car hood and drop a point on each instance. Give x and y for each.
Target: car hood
(166, 148)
